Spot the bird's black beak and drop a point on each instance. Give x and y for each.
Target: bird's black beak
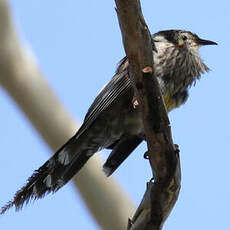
(203, 42)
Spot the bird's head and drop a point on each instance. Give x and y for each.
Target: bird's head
(177, 55)
(181, 39)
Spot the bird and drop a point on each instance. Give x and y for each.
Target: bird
(113, 121)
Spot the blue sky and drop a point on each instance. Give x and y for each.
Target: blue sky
(77, 45)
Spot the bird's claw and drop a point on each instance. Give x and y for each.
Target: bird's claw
(146, 155)
(177, 150)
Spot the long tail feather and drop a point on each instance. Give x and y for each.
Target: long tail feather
(51, 176)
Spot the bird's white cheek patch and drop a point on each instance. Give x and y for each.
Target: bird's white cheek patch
(63, 157)
(180, 43)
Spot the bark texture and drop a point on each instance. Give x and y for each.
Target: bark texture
(161, 194)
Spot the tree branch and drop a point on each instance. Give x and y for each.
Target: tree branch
(161, 195)
(22, 79)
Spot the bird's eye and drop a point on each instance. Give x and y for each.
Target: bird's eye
(184, 37)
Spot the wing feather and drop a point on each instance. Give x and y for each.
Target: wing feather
(118, 85)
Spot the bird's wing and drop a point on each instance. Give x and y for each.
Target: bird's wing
(119, 84)
(63, 165)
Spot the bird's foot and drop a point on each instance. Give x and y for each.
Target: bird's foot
(146, 155)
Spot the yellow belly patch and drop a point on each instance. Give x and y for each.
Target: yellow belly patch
(169, 102)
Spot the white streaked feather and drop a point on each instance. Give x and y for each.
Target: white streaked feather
(34, 189)
(63, 157)
(48, 181)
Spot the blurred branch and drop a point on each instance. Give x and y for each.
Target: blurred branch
(161, 195)
(21, 77)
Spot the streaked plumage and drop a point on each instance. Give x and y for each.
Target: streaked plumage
(113, 121)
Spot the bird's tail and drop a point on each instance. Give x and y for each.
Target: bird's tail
(52, 175)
